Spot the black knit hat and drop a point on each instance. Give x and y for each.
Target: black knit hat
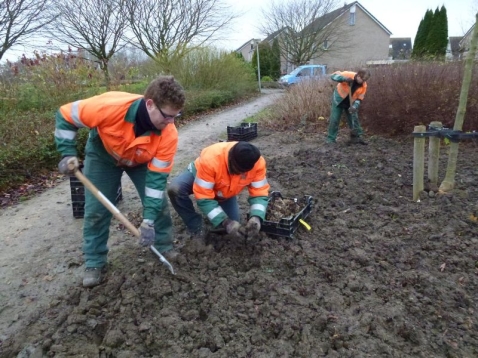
(244, 156)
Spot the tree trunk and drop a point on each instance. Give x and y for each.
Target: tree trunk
(449, 181)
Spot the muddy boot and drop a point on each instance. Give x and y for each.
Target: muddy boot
(199, 237)
(93, 276)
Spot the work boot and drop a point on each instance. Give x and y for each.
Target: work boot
(199, 237)
(356, 140)
(93, 276)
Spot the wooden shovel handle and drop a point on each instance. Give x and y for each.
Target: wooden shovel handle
(108, 204)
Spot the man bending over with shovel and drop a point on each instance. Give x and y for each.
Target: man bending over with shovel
(348, 95)
(128, 133)
(216, 177)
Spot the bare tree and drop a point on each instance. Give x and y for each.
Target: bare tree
(95, 26)
(166, 30)
(305, 28)
(21, 19)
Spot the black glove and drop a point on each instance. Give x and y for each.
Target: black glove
(350, 81)
(253, 226)
(147, 233)
(234, 228)
(68, 165)
(352, 110)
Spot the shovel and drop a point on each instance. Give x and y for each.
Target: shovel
(114, 210)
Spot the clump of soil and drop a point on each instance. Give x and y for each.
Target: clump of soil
(378, 275)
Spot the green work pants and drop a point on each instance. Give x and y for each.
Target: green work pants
(101, 169)
(334, 122)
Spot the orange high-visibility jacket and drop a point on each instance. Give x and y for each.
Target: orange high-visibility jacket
(342, 89)
(113, 115)
(213, 182)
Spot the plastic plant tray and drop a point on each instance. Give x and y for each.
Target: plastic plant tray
(287, 227)
(78, 196)
(245, 132)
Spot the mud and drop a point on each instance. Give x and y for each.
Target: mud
(378, 275)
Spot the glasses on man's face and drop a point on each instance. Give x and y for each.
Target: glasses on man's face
(168, 116)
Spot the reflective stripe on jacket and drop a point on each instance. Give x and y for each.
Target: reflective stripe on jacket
(213, 183)
(113, 114)
(342, 89)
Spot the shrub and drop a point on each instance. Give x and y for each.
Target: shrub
(46, 82)
(266, 79)
(212, 69)
(400, 97)
(307, 103)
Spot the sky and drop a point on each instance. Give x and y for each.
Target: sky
(401, 17)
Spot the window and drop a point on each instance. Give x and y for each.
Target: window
(352, 16)
(325, 45)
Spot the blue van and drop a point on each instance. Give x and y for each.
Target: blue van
(302, 72)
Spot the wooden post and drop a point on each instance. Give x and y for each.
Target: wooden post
(418, 162)
(433, 155)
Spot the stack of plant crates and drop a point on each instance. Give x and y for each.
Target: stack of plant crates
(78, 196)
(245, 132)
(286, 227)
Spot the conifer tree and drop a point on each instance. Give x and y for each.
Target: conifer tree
(275, 60)
(419, 45)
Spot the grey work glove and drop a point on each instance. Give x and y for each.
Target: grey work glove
(234, 228)
(253, 226)
(147, 233)
(349, 80)
(68, 165)
(352, 110)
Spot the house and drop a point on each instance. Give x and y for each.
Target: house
(358, 38)
(247, 49)
(464, 44)
(453, 52)
(400, 48)
(355, 38)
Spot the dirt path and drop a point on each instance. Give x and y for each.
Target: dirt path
(40, 241)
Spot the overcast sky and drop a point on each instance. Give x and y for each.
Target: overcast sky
(401, 17)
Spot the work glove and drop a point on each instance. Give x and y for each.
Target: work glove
(352, 110)
(66, 162)
(253, 226)
(147, 233)
(349, 80)
(234, 228)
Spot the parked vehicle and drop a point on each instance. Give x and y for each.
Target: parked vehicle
(301, 73)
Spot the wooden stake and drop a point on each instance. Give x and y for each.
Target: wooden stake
(418, 162)
(433, 155)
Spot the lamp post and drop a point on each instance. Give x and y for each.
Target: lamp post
(256, 42)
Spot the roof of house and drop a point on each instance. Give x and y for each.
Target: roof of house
(326, 19)
(245, 44)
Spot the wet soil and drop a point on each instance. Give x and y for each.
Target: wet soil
(377, 275)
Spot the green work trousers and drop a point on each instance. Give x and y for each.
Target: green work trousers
(334, 122)
(101, 169)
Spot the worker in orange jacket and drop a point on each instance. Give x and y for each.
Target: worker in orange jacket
(215, 178)
(356, 83)
(128, 133)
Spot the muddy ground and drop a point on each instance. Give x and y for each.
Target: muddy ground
(378, 275)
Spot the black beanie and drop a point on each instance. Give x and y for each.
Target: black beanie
(244, 156)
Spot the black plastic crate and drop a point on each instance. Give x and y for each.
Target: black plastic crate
(78, 196)
(245, 132)
(287, 226)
